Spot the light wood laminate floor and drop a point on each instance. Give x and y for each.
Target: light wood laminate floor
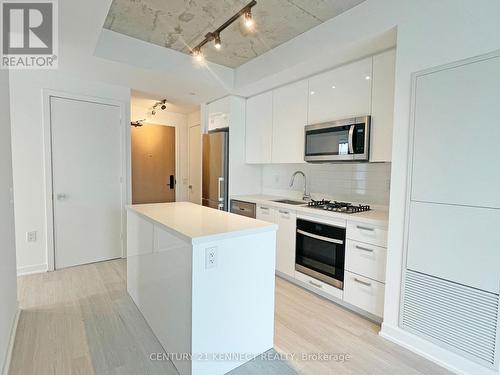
(81, 320)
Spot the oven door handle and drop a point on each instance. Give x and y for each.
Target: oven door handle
(321, 238)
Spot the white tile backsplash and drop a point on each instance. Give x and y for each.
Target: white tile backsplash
(353, 182)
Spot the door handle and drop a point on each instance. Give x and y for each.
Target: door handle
(220, 180)
(321, 238)
(365, 228)
(362, 282)
(171, 182)
(315, 284)
(61, 197)
(364, 249)
(351, 137)
(190, 186)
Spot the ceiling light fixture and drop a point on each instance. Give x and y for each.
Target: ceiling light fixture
(161, 103)
(249, 22)
(198, 55)
(218, 44)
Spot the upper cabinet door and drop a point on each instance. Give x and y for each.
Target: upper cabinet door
(384, 66)
(259, 128)
(341, 93)
(289, 119)
(218, 114)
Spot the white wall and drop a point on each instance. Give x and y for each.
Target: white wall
(429, 33)
(26, 90)
(352, 182)
(180, 122)
(194, 118)
(8, 282)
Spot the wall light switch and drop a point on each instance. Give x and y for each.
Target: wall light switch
(31, 236)
(210, 257)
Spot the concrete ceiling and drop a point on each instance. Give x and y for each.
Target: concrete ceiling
(182, 24)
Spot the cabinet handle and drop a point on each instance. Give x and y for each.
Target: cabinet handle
(362, 282)
(365, 228)
(264, 208)
(284, 212)
(364, 249)
(315, 284)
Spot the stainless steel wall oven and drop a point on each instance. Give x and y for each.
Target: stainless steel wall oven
(320, 251)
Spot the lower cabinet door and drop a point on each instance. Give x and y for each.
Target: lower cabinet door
(265, 213)
(365, 293)
(285, 241)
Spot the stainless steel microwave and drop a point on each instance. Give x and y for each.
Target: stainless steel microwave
(341, 140)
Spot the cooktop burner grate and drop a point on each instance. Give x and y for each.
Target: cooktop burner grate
(335, 206)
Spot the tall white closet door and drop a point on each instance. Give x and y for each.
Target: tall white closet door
(87, 171)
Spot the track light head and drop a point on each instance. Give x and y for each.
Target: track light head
(248, 19)
(198, 55)
(218, 44)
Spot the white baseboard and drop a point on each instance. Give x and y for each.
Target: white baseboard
(28, 270)
(10, 348)
(442, 357)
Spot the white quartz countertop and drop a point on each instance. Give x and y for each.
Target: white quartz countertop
(197, 223)
(376, 216)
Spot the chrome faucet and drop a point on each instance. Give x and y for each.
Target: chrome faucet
(305, 196)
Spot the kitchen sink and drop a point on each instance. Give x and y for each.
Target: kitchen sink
(288, 201)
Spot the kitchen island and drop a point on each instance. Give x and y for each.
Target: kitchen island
(204, 281)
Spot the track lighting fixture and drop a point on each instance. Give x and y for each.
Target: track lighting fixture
(161, 103)
(218, 44)
(198, 55)
(137, 123)
(248, 21)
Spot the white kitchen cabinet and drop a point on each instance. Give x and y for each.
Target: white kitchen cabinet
(285, 237)
(265, 213)
(218, 114)
(289, 119)
(367, 233)
(364, 293)
(367, 260)
(285, 241)
(341, 93)
(259, 128)
(384, 67)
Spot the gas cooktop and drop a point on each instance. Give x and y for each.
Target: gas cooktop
(344, 207)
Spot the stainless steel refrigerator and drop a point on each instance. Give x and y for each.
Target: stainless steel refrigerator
(215, 170)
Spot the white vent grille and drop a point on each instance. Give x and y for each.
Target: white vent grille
(459, 316)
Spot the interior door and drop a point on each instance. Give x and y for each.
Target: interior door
(153, 164)
(87, 175)
(195, 164)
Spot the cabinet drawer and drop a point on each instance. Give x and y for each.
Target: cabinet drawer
(265, 213)
(366, 260)
(367, 233)
(319, 285)
(364, 293)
